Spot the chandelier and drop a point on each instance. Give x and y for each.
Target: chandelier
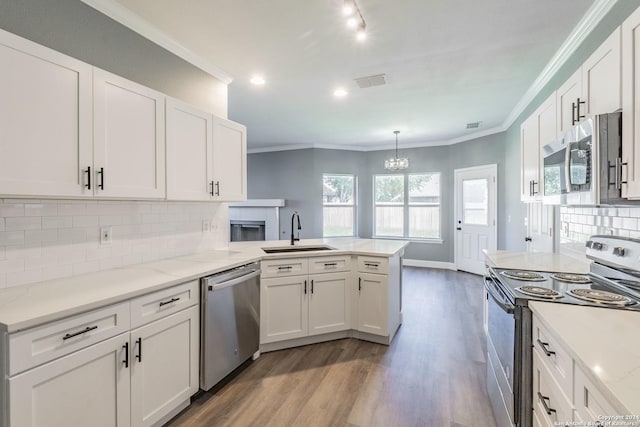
(396, 163)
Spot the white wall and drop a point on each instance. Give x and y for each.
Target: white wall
(48, 239)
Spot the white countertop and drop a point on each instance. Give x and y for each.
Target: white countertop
(537, 261)
(605, 343)
(26, 306)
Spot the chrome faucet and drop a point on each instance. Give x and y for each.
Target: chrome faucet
(293, 238)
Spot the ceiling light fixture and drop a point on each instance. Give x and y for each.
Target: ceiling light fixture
(257, 80)
(340, 93)
(354, 19)
(396, 163)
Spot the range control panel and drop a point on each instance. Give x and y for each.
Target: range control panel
(621, 251)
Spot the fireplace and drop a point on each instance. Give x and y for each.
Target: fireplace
(246, 230)
(257, 219)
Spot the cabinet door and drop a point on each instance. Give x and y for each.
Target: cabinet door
(229, 160)
(601, 77)
(284, 311)
(328, 303)
(530, 182)
(45, 120)
(87, 388)
(631, 106)
(128, 138)
(164, 366)
(566, 97)
(189, 152)
(372, 304)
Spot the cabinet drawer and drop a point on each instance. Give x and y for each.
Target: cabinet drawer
(368, 264)
(157, 305)
(41, 344)
(590, 402)
(546, 391)
(558, 361)
(284, 267)
(329, 264)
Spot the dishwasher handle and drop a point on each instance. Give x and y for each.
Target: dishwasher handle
(232, 282)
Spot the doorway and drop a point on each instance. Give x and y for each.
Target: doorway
(476, 208)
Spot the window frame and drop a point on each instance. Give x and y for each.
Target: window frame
(406, 205)
(353, 206)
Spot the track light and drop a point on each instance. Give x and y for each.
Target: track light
(354, 18)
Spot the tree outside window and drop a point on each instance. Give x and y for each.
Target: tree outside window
(338, 199)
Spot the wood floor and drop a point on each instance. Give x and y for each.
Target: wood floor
(433, 374)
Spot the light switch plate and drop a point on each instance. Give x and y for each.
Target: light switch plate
(105, 235)
(206, 226)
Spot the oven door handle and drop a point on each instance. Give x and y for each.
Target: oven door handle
(492, 290)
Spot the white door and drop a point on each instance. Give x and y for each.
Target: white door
(372, 303)
(164, 366)
(87, 388)
(229, 160)
(284, 308)
(476, 207)
(129, 146)
(328, 303)
(45, 120)
(189, 152)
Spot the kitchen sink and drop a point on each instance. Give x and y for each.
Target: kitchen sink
(289, 249)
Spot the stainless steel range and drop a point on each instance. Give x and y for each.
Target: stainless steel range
(612, 283)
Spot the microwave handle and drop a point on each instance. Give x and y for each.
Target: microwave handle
(567, 169)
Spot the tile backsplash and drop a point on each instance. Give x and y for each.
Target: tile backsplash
(48, 239)
(578, 223)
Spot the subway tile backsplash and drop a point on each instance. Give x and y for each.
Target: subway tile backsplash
(578, 223)
(48, 239)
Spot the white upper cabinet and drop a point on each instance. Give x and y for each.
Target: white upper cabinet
(229, 160)
(595, 88)
(129, 154)
(529, 169)
(45, 120)
(631, 106)
(189, 152)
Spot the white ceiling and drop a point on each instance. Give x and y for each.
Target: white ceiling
(448, 62)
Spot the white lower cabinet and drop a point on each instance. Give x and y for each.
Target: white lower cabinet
(298, 306)
(137, 377)
(87, 388)
(164, 366)
(372, 303)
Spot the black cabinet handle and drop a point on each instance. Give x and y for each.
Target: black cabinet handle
(305, 287)
(285, 267)
(369, 264)
(528, 239)
(88, 172)
(543, 400)
(126, 354)
(578, 115)
(359, 284)
(573, 113)
(172, 300)
(139, 355)
(101, 173)
(217, 188)
(312, 286)
(212, 193)
(330, 264)
(533, 188)
(545, 349)
(75, 334)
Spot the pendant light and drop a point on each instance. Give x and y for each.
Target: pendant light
(396, 163)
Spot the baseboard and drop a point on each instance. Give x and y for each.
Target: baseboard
(429, 264)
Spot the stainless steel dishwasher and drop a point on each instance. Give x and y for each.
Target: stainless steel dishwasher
(229, 321)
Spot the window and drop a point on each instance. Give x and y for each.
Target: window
(339, 205)
(407, 205)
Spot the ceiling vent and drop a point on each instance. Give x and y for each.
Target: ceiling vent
(473, 125)
(370, 81)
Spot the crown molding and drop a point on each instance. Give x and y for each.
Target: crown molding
(594, 15)
(126, 17)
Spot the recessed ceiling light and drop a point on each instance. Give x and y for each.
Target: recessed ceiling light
(340, 93)
(257, 80)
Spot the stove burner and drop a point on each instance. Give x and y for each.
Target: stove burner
(602, 297)
(571, 278)
(540, 292)
(527, 276)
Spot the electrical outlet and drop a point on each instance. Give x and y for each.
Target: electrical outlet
(105, 235)
(206, 226)
(214, 225)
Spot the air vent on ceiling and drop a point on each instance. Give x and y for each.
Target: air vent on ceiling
(370, 81)
(473, 125)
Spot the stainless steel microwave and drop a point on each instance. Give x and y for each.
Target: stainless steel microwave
(584, 166)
